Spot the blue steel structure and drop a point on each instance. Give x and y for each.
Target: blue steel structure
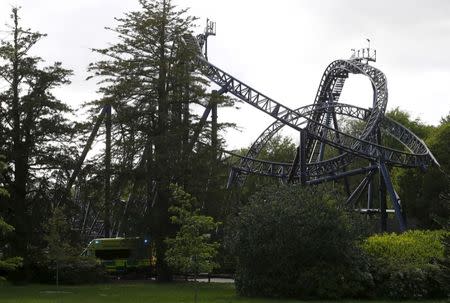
(318, 127)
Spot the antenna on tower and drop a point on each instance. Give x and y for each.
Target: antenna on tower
(210, 30)
(364, 54)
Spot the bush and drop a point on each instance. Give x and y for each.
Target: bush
(407, 265)
(414, 248)
(296, 242)
(412, 283)
(76, 270)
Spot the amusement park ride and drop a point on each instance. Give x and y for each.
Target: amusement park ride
(319, 128)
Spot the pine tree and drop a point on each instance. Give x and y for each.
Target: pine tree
(149, 80)
(11, 263)
(33, 133)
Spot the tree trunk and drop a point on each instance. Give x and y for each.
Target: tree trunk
(161, 157)
(19, 158)
(195, 288)
(57, 275)
(107, 202)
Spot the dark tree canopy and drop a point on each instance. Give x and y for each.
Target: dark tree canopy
(148, 78)
(34, 131)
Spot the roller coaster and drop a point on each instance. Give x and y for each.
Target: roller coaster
(318, 128)
(327, 150)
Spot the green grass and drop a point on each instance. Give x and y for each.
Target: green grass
(132, 292)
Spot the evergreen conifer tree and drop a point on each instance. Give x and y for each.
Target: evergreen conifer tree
(34, 132)
(149, 79)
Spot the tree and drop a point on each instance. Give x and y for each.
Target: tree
(298, 242)
(418, 127)
(12, 263)
(57, 234)
(150, 81)
(33, 133)
(190, 251)
(422, 191)
(445, 264)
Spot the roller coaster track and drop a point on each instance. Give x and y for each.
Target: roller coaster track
(361, 146)
(250, 165)
(318, 127)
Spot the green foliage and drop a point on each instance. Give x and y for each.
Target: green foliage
(410, 283)
(12, 263)
(81, 270)
(419, 128)
(422, 191)
(297, 242)
(190, 251)
(148, 77)
(444, 278)
(5, 228)
(35, 138)
(57, 235)
(407, 265)
(438, 143)
(59, 250)
(74, 270)
(62, 258)
(414, 248)
(279, 149)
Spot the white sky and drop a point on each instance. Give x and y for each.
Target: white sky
(281, 48)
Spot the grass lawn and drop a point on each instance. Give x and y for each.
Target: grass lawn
(131, 292)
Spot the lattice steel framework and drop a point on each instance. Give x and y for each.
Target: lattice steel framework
(318, 128)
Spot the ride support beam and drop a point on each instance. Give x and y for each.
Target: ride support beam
(231, 177)
(86, 149)
(328, 118)
(360, 188)
(132, 197)
(336, 127)
(214, 127)
(198, 129)
(382, 192)
(383, 204)
(349, 173)
(394, 197)
(300, 159)
(302, 155)
(370, 195)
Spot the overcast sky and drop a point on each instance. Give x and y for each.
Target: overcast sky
(279, 47)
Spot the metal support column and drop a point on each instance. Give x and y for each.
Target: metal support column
(86, 149)
(370, 194)
(336, 127)
(394, 197)
(383, 205)
(214, 125)
(302, 155)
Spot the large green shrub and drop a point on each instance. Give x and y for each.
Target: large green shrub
(296, 242)
(75, 270)
(415, 248)
(407, 265)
